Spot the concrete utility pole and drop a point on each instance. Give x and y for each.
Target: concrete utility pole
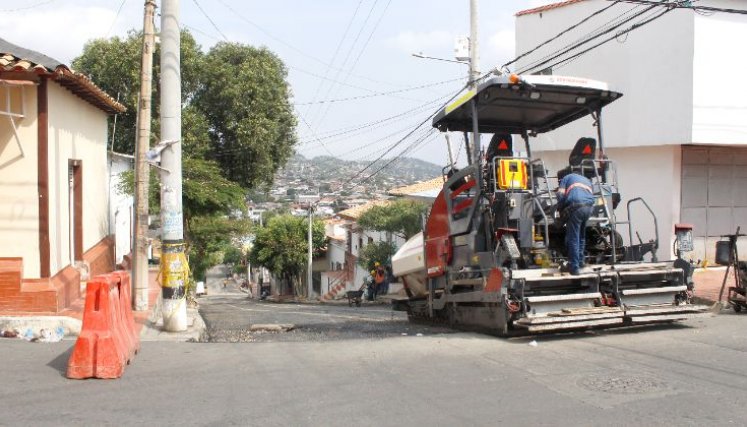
(474, 56)
(474, 74)
(448, 147)
(309, 276)
(142, 170)
(174, 268)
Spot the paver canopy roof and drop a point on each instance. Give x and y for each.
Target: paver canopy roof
(512, 104)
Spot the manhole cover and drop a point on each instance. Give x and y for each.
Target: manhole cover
(627, 384)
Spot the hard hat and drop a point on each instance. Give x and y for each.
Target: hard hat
(377, 263)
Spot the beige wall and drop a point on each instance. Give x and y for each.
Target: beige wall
(78, 131)
(19, 205)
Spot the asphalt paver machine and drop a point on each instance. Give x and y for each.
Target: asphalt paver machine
(493, 241)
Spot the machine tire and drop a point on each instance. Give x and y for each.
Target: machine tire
(737, 308)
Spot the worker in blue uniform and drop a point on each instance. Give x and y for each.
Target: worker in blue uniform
(575, 201)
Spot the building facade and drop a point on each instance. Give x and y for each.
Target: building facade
(54, 181)
(678, 135)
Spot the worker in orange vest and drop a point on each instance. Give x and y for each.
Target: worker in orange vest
(379, 278)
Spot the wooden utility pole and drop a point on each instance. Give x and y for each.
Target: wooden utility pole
(142, 170)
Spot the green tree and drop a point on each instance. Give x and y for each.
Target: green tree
(376, 252)
(281, 246)
(402, 217)
(211, 237)
(114, 64)
(198, 198)
(236, 107)
(237, 127)
(245, 100)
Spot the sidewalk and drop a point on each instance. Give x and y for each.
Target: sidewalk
(708, 283)
(148, 323)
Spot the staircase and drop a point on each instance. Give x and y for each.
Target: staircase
(47, 295)
(337, 287)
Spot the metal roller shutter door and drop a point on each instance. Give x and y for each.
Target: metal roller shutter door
(714, 194)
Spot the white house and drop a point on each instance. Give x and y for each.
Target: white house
(54, 177)
(346, 241)
(679, 133)
(121, 209)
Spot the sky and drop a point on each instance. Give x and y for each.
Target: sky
(356, 88)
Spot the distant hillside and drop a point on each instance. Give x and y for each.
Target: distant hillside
(404, 169)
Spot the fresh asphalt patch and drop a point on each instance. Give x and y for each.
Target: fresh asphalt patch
(230, 318)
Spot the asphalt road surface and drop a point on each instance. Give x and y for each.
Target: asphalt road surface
(229, 314)
(677, 375)
(347, 367)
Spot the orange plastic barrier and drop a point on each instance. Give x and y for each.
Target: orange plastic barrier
(107, 340)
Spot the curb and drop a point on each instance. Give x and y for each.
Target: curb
(70, 325)
(196, 328)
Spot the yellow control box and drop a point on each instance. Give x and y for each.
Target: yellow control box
(511, 174)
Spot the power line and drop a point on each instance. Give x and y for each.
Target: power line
(210, 20)
(404, 152)
(337, 49)
(368, 40)
(384, 138)
(550, 40)
(312, 132)
(359, 173)
(387, 162)
(595, 32)
(349, 131)
(18, 9)
(688, 5)
(347, 56)
(631, 28)
(116, 16)
(543, 63)
(360, 53)
(197, 30)
(288, 45)
(371, 95)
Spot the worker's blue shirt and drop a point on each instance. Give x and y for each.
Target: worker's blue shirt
(575, 189)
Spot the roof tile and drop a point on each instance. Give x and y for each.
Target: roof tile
(19, 60)
(546, 7)
(357, 211)
(419, 187)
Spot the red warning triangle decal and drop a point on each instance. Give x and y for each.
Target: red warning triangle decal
(503, 145)
(587, 150)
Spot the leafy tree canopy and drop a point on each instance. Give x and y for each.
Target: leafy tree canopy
(281, 246)
(402, 216)
(245, 99)
(375, 252)
(236, 107)
(210, 238)
(204, 190)
(114, 64)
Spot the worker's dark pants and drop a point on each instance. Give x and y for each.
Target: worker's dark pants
(575, 235)
(372, 291)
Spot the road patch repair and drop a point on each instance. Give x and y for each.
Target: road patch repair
(271, 327)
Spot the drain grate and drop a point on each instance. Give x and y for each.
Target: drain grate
(623, 384)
